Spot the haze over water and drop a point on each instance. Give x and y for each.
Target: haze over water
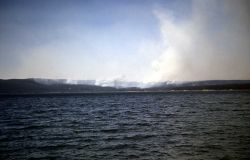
(65, 48)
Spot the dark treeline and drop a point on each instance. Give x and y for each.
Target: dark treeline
(19, 86)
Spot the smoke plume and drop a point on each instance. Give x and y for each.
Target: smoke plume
(212, 43)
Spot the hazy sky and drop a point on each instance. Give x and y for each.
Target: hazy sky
(134, 40)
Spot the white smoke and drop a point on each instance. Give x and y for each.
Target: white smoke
(213, 43)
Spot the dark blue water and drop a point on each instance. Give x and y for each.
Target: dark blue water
(165, 126)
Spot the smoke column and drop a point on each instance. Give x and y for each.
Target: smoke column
(212, 43)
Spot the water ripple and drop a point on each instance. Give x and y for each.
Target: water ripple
(190, 125)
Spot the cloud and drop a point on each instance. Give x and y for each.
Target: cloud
(212, 43)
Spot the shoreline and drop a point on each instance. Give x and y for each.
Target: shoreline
(118, 92)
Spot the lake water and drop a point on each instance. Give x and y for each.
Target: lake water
(164, 126)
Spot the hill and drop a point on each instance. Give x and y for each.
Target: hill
(32, 86)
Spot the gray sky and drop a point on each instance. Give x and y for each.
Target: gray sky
(133, 40)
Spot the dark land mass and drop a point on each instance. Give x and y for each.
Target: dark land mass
(14, 86)
(31, 86)
(206, 85)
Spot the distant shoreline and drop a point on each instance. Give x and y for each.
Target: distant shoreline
(116, 92)
(54, 87)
